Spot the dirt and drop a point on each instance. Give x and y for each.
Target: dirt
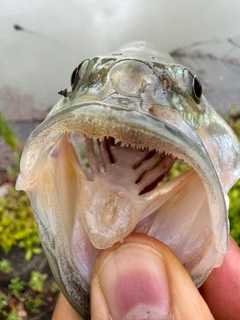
(23, 269)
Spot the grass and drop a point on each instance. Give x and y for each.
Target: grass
(20, 299)
(17, 226)
(26, 299)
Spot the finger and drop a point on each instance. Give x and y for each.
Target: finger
(221, 290)
(142, 279)
(64, 310)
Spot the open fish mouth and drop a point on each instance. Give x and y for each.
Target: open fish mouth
(92, 185)
(101, 166)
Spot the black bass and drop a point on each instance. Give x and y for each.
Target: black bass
(97, 168)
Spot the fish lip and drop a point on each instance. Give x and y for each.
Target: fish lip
(99, 119)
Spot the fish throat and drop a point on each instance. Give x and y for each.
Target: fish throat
(140, 167)
(118, 185)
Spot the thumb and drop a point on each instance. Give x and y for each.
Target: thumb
(142, 279)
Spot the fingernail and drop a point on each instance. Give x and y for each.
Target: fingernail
(133, 281)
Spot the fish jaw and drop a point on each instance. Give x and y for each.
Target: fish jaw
(50, 145)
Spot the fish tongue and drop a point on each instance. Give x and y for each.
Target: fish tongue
(111, 203)
(108, 201)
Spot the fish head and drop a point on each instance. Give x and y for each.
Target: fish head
(99, 167)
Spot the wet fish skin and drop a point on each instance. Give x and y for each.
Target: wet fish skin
(144, 99)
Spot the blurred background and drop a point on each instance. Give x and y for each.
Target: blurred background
(51, 37)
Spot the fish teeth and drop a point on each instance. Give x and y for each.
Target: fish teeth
(124, 145)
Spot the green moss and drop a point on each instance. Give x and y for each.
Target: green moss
(17, 225)
(234, 211)
(18, 229)
(34, 303)
(33, 296)
(17, 286)
(7, 133)
(36, 282)
(234, 194)
(5, 266)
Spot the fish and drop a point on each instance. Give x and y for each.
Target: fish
(99, 167)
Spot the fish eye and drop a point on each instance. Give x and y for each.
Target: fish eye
(78, 73)
(73, 76)
(197, 88)
(193, 85)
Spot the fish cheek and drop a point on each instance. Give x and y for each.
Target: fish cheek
(224, 150)
(54, 191)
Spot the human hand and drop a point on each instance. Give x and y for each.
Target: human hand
(143, 279)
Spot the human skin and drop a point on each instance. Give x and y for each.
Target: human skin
(167, 291)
